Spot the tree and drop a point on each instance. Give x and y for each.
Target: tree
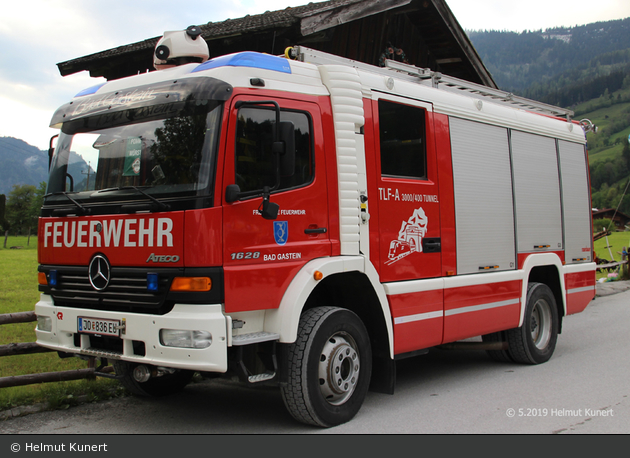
(38, 200)
(20, 208)
(4, 225)
(178, 146)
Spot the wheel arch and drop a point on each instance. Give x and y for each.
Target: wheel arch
(353, 291)
(546, 269)
(349, 282)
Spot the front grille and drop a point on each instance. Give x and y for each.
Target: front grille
(126, 291)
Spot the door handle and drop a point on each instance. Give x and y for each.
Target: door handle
(316, 230)
(432, 245)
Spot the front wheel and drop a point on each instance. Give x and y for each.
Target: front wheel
(535, 341)
(329, 367)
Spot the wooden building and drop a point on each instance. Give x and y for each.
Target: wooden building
(620, 220)
(425, 30)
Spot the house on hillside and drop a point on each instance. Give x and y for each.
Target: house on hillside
(619, 219)
(425, 30)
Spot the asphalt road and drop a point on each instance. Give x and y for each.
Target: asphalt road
(583, 389)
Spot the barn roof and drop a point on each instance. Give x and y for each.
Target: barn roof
(426, 30)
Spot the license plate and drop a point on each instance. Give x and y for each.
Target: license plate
(99, 326)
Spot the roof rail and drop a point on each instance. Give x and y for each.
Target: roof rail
(437, 79)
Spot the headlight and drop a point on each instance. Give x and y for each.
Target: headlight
(184, 338)
(44, 323)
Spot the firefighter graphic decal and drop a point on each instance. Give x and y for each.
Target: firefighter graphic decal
(409, 237)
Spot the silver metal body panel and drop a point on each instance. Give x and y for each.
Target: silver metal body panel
(536, 193)
(576, 200)
(484, 206)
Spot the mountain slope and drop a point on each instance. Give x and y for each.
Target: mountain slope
(21, 164)
(25, 164)
(518, 60)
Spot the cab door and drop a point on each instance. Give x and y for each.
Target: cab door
(408, 197)
(261, 256)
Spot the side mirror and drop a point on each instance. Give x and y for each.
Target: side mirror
(232, 193)
(269, 209)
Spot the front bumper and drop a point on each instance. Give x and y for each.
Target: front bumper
(141, 331)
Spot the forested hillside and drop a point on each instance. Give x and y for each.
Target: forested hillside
(519, 61)
(586, 69)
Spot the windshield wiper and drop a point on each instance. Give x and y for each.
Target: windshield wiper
(160, 204)
(83, 209)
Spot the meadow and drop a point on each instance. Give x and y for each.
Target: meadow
(617, 241)
(19, 293)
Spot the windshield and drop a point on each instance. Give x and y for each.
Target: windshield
(169, 152)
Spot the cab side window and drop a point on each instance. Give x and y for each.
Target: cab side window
(402, 140)
(255, 162)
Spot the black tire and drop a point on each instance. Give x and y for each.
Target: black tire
(535, 341)
(329, 367)
(502, 356)
(155, 386)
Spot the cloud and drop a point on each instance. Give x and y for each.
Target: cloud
(30, 161)
(534, 14)
(35, 35)
(25, 122)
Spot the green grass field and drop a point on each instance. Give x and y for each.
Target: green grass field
(603, 118)
(19, 293)
(616, 241)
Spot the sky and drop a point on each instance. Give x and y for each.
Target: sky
(35, 35)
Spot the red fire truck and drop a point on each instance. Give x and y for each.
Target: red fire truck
(306, 221)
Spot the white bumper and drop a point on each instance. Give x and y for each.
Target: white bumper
(142, 328)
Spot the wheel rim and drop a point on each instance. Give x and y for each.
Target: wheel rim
(339, 366)
(541, 324)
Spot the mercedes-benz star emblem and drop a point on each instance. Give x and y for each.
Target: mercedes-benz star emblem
(99, 272)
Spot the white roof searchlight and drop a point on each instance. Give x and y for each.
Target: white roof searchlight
(180, 47)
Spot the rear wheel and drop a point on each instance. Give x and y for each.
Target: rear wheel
(329, 367)
(535, 341)
(155, 386)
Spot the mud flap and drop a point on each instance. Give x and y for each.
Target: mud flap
(383, 375)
